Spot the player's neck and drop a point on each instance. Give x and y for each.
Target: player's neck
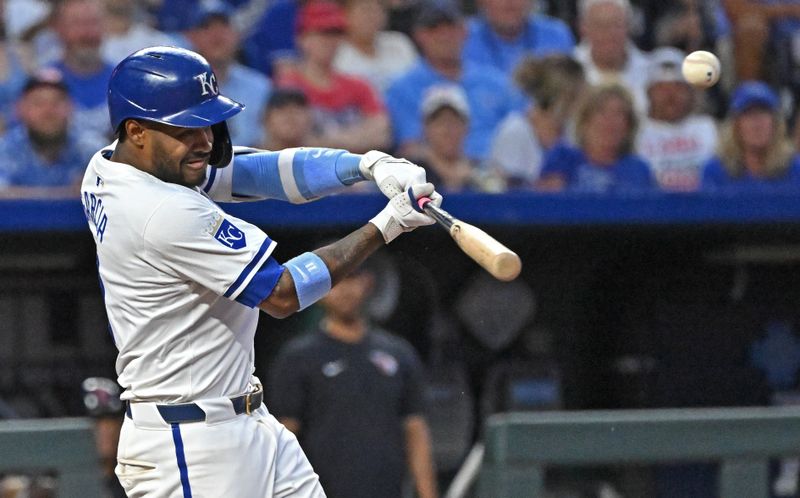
(345, 329)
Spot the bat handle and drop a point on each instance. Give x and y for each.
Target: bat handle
(421, 203)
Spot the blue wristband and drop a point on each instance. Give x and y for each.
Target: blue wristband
(311, 278)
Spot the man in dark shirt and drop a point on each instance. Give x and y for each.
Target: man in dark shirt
(354, 396)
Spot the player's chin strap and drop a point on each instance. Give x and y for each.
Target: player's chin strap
(222, 150)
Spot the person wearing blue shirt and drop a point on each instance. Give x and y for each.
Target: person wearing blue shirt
(754, 153)
(272, 41)
(440, 32)
(505, 31)
(45, 149)
(79, 26)
(212, 35)
(602, 161)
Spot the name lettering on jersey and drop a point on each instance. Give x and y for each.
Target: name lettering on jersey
(208, 83)
(230, 236)
(95, 214)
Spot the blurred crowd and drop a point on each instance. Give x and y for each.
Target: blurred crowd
(489, 96)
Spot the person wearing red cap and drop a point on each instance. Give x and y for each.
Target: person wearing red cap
(348, 112)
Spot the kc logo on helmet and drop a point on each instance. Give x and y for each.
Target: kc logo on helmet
(208, 83)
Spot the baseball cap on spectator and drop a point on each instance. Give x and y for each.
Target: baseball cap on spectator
(441, 96)
(434, 13)
(321, 16)
(665, 66)
(281, 97)
(206, 10)
(753, 94)
(51, 77)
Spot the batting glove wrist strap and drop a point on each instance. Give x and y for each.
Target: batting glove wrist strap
(312, 280)
(392, 175)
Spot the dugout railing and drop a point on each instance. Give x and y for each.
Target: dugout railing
(519, 447)
(63, 447)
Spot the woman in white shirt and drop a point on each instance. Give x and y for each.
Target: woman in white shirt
(369, 51)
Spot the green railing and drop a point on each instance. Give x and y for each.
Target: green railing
(520, 446)
(63, 446)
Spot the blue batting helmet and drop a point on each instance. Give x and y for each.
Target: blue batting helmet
(173, 86)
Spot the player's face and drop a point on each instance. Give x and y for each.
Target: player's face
(179, 155)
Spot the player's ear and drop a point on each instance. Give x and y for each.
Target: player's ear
(134, 131)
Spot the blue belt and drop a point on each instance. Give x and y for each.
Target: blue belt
(191, 412)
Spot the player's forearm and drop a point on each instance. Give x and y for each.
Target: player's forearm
(420, 459)
(345, 255)
(309, 276)
(295, 175)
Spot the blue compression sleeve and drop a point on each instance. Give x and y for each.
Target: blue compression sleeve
(311, 278)
(295, 175)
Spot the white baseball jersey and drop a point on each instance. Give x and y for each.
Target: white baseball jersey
(677, 152)
(181, 279)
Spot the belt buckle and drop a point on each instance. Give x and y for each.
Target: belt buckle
(247, 403)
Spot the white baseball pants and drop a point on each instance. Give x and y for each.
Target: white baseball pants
(231, 456)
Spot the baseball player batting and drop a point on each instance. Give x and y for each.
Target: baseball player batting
(183, 281)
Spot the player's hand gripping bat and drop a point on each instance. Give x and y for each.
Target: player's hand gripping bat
(500, 261)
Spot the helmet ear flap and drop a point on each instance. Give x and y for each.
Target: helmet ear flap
(222, 150)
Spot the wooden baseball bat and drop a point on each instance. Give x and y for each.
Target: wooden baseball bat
(501, 262)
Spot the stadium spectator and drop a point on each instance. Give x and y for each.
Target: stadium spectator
(287, 120)
(445, 118)
(369, 51)
(12, 73)
(606, 50)
(686, 24)
(602, 161)
(45, 149)
(504, 31)
(554, 85)
(440, 32)
(127, 31)
(674, 140)
(754, 24)
(754, 151)
(79, 26)
(348, 113)
(212, 35)
(271, 46)
(354, 395)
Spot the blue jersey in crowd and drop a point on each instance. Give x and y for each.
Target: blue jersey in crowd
(251, 88)
(273, 36)
(21, 166)
(490, 96)
(89, 94)
(715, 176)
(630, 173)
(541, 36)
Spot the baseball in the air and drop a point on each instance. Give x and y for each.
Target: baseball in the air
(701, 69)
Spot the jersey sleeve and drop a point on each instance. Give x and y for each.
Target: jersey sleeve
(190, 237)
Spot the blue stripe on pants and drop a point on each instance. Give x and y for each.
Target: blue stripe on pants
(176, 437)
